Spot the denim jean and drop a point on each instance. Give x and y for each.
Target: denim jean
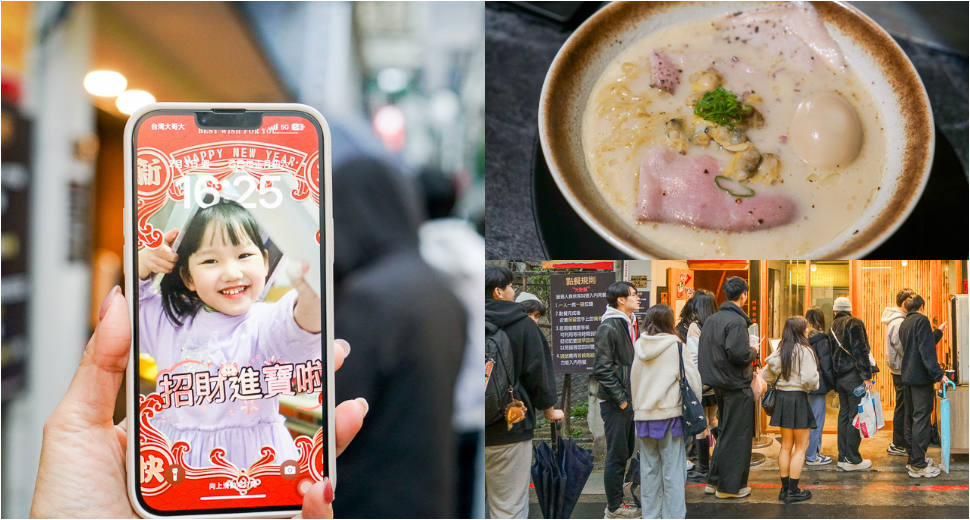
(815, 438)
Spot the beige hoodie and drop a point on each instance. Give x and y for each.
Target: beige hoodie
(655, 377)
(804, 374)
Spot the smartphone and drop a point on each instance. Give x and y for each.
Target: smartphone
(228, 269)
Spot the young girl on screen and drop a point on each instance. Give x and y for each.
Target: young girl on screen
(207, 317)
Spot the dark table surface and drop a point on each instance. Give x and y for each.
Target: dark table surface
(521, 45)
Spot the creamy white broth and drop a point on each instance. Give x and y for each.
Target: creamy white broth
(829, 200)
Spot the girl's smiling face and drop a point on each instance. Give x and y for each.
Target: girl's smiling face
(229, 278)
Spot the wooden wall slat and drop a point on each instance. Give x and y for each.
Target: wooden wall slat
(879, 288)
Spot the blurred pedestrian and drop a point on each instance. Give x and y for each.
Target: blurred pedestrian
(853, 378)
(793, 369)
(726, 363)
(409, 333)
(508, 448)
(703, 305)
(892, 317)
(455, 248)
(819, 341)
(611, 368)
(920, 371)
(655, 378)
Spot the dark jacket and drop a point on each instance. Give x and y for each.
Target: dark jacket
(919, 339)
(614, 357)
(854, 351)
(723, 352)
(819, 341)
(531, 362)
(408, 332)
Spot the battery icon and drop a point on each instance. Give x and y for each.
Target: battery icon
(297, 126)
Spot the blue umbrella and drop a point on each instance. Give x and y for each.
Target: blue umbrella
(559, 474)
(945, 427)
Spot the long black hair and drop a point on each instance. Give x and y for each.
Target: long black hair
(792, 336)
(177, 300)
(816, 318)
(659, 319)
(704, 305)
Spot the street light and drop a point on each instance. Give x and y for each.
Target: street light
(131, 100)
(107, 83)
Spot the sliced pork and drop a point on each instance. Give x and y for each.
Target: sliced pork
(793, 29)
(679, 189)
(665, 75)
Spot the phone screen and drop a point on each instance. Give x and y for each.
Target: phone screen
(230, 324)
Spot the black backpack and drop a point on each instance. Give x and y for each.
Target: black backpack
(499, 381)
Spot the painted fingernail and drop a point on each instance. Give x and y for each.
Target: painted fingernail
(327, 490)
(363, 402)
(107, 302)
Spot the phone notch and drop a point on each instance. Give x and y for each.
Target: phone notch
(229, 119)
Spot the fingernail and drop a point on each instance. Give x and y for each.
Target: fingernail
(346, 347)
(107, 301)
(327, 490)
(363, 401)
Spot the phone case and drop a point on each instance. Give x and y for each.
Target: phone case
(223, 488)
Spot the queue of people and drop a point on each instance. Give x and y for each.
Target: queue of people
(640, 367)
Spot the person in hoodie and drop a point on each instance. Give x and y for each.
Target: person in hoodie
(819, 341)
(657, 411)
(611, 368)
(725, 359)
(508, 451)
(793, 369)
(920, 371)
(408, 331)
(853, 369)
(892, 317)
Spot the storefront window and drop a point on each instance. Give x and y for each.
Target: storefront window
(786, 294)
(829, 280)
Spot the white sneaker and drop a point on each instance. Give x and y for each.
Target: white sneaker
(710, 490)
(820, 460)
(741, 494)
(690, 465)
(848, 466)
(621, 512)
(927, 472)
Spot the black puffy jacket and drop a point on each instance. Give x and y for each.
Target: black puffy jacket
(724, 355)
(614, 357)
(819, 342)
(851, 351)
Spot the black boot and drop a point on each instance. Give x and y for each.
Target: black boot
(784, 488)
(795, 494)
(699, 473)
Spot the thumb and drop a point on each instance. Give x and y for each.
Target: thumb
(90, 399)
(171, 236)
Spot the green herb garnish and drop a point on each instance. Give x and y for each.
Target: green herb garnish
(722, 107)
(717, 181)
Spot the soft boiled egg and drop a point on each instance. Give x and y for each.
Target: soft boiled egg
(826, 131)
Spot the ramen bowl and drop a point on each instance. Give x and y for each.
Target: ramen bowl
(904, 115)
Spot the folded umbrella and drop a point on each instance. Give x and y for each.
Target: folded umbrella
(945, 427)
(559, 474)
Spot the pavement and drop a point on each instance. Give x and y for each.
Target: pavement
(885, 491)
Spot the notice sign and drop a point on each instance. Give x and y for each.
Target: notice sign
(578, 302)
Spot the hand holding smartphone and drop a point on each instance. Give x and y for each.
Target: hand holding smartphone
(228, 267)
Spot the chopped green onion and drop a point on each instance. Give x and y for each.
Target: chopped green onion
(717, 181)
(722, 107)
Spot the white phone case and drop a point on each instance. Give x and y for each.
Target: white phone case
(314, 278)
